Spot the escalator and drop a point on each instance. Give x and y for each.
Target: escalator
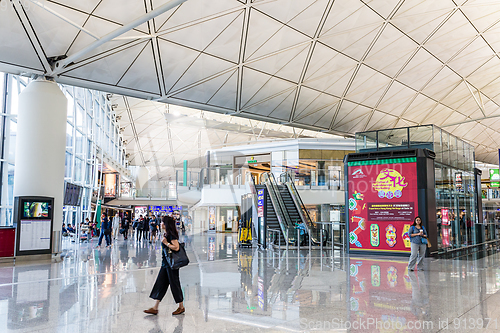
(272, 218)
(299, 209)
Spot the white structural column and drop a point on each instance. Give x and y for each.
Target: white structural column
(41, 145)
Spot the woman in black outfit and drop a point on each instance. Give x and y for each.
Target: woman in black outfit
(167, 276)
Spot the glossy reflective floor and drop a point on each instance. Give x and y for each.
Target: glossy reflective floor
(246, 290)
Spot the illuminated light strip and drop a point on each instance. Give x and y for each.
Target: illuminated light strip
(385, 161)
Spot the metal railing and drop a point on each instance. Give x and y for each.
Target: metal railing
(310, 178)
(303, 213)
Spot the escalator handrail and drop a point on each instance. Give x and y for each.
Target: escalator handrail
(282, 218)
(301, 208)
(274, 183)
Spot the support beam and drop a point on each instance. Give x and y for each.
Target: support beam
(470, 120)
(62, 64)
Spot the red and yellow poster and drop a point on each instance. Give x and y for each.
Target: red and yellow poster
(383, 203)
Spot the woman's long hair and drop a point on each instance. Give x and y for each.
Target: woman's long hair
(170, 226)
(415, 221)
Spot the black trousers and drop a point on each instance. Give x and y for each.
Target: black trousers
(167, 277)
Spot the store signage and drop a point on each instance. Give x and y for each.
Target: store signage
(260, 203)
(252, 161)
(383, 202)
(140, 210)
(494, 178)
(211, 218)
(458, 180)
(165, 209)
(445, 219)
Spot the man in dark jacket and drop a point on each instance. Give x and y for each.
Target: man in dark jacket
(105, 231)
(124, 225)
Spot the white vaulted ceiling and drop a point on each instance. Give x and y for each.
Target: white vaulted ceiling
(161, 136)
(338, 66)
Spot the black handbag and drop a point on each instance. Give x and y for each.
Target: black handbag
(107, 232)
(176, 259)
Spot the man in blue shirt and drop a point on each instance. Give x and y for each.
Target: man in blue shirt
(105, 231)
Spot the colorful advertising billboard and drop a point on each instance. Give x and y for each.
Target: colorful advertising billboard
(383, 203)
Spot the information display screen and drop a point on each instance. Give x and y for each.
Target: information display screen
(383, 203)
(35, 235)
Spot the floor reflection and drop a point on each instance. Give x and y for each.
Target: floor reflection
(228, 288)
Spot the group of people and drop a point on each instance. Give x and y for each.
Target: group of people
(148, 227)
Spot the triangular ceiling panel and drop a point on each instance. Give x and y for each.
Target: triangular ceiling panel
(311, 101)
(378, 120)
(202, 68)
(472, 57)
(54, 33)
(225, 97)
(100, 27)
(271, 107)
(13, 38)
(142, 74)
(203, 92)
(391, 51)
(487, 73)
(207, 32)
(442, 84)
(267, 43)
(129, 10)
(383, 7)
(351, 28)
(193, 11)
(303, 15)
(421, 68)
(368, 86)
(176, 60)
(349, 115)
(284, 64)
(329, 70)
(109, 69)
(419, 19)
(263, 87)
(86, 6)
(451, 37)
(482, 13)
(397, 99)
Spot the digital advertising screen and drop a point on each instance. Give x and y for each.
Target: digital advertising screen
(383, 203)
(36, 209)
(110, 185)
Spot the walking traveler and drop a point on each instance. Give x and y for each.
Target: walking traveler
(167, 276)
(140, 224)
(145, 226)
(124, 225)
(152, 229)
(105, 231)
(116, 226)
(418, 241)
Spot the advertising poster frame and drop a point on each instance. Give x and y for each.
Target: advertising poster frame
(399, 185)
